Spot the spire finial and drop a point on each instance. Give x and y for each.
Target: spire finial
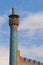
(13, 11)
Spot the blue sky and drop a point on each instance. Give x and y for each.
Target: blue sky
(30, 30)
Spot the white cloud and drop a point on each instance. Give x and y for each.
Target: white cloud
(32, 52)
(3, 19)
(4, 55)
(32, 21)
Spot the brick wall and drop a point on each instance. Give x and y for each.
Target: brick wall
(25, 61)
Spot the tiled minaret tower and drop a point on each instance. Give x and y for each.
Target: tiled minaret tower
(14, 23)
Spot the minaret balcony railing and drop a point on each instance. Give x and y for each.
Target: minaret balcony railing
(13, 21)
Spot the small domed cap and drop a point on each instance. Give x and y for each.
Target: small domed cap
(13, 13)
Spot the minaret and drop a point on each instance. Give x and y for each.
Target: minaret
(13, 23)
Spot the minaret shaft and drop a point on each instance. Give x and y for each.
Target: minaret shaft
(13, 22)
(13, 45)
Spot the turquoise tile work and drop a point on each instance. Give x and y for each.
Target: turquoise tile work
(13, 45)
